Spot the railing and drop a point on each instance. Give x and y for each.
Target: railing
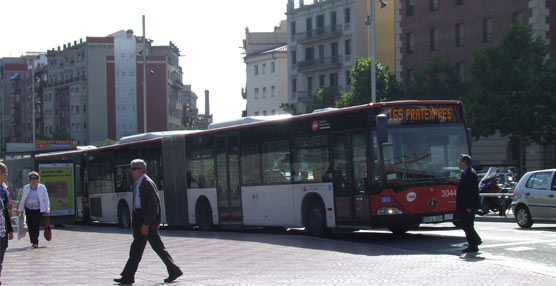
(319, 63)
(319, 33)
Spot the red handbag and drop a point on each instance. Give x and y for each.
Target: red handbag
(47, 230)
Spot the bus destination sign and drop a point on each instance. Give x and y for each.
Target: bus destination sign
(424, 114)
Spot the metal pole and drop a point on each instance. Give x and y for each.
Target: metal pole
(33, 98)
(373, 61)
(144, 79)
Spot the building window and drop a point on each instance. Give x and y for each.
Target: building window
(294, 57)
(460, 69)
(273, 112)
(77, 109)
(348, 47)
(84, 108)
(84, 126)
(309, 54)
(434, 5)
(256, 113)
(348, 78)
(333, 20)
(409, 43)
(459, 35)
(321, 81)
(256, 70)
(272, 67)
(434, 39)
(264, 92)
(309, 84)
(408, 8)
(256, 93)
(487, 30)
(517, 17)
(333, 80)
(294, 85)
(264, 68)
(292, 31)
(410, 75)
(264, 112)
(347, 16)
(459, 2)
(273, 91)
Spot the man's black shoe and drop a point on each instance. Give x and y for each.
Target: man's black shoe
(173, 277)
(124, 280)
(470, 249)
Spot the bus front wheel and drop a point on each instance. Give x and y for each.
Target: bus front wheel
(316, 220)
(124, 219)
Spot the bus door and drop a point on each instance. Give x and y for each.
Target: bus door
(350, 178)
(227, 179)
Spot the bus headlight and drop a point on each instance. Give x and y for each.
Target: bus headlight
(389, 211)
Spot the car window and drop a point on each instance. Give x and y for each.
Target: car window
(553, 187)
(539, 181)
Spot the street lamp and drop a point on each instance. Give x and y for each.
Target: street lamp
(372, 22)
(144, 79)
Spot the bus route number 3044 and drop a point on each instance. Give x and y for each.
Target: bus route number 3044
(448, 193)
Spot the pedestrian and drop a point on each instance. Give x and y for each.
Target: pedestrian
(145, 222)
(36, 203)
(467, 203)
(6, 230)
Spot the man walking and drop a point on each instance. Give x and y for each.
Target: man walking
(145, 222)
(467, 202)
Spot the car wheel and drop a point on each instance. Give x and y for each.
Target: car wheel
(523, 217)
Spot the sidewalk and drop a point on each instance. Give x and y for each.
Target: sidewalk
(94, 255)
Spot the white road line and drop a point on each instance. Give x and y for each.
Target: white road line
(520, 248)
(536, 241)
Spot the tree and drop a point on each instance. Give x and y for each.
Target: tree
(322, 98)
(387, 86)
(108, 142)
(513, 87)
(289, 108)
(437, 79)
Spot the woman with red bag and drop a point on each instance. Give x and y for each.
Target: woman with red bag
(35, 202)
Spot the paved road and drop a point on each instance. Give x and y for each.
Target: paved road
(94, 255)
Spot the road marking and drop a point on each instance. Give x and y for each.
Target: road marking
(536, 241)
(520, 248)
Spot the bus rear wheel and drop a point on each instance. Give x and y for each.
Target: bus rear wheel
(124, 219)
(316, 220)
(204, 217)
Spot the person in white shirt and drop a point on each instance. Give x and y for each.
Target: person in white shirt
(35, 202)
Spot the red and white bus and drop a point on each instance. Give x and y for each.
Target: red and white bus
(391, 164)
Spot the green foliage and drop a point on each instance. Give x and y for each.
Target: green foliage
(387, 86)
(437, 79)
(322, 98)
(108, 142)
(513, 89)
(289, 108)
(183, 127)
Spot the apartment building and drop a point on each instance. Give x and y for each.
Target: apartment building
(325, 38)
(266, 61)
(95, 88)
(453, 30)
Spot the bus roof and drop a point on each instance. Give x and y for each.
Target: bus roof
(247, 120)
(153, 135)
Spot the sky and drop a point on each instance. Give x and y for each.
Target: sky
(209, 34)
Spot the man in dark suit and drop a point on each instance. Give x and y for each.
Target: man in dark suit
(467, 202)
(146, 221)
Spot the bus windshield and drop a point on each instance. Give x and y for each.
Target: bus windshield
(415, 155)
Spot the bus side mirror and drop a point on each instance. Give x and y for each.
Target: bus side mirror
(469, 138)
(381, 129)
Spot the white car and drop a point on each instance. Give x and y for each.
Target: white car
(535, 198)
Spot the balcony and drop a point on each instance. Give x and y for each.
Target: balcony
(319, 34)
(317, 64)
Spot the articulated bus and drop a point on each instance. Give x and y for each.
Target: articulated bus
(390, 165)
